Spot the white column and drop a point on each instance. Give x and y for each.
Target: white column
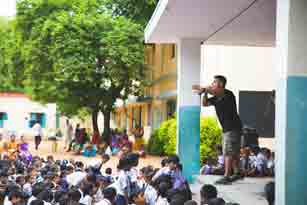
(188, 106)
(291, 103)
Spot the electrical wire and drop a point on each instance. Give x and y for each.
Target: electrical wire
(231, 20)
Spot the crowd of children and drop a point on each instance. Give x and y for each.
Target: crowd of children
(32, 180)
(254, 162)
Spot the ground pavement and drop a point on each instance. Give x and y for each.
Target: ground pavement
(249, 191)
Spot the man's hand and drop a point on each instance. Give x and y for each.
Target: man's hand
(198, 89)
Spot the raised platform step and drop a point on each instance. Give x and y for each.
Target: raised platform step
(243, 192)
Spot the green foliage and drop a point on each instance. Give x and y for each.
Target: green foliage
(154, 145)
(139, 11)
(163, 140)
(75, 53)
(11, 62)
(210, 137)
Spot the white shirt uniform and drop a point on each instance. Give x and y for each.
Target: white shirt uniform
(162, 201)
(75, 178)
(32, 198)
(121, 183)
(37, 130)
(150, 195)
(86, 200)
(104, 202)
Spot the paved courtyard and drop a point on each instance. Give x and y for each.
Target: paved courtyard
(246, 191)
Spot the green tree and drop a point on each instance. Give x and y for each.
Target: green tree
(79, 56)
(139, 11)
(11, 61)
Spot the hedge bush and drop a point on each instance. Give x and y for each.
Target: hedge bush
(163, 140)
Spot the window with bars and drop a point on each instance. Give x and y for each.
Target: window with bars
(37, 117)
(3, 117)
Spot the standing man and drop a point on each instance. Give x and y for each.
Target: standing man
(37, 130)
(225, 105)
(68, 134)
(76, 137)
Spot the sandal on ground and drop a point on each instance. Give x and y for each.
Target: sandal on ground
(224, 181)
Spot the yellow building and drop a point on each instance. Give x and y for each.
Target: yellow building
(159, 100)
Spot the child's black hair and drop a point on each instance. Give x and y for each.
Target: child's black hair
(133, 159)
(208, 191)
(37, 189)
(109, 193)
(163, 189)
(216, 201)
(109, 171)
(173, 159)
(74, 195)
(37, 202)
(58, 195)
(190, 202)
(176, 196)
(124, 164)
(46, 195)
(79, 165)
(164, 162)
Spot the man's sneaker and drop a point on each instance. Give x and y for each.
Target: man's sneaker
(236, 177)
(224, 181)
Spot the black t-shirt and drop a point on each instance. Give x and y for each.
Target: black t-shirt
(226, 110)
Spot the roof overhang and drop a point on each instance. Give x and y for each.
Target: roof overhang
(238, 22)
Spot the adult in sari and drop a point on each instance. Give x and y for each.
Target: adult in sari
(12, 146)
(23, 149)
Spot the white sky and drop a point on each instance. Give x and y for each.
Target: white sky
(7, 7)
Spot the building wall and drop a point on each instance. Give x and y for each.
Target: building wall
(161, 74)
(18, 108)
(246, 68)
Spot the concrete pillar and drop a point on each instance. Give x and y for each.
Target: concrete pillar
(188, 106)
(291, 103)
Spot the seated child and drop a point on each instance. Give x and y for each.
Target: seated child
(261, 162)
(126, 149)
(219, 168)
(271, 164)
(90, 150)
(142, 151)
(115, 144)
(207, 168)
(244, 160)
(259, 165)
(252, 161)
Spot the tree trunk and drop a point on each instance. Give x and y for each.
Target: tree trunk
(107, 129)
(95, 122)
